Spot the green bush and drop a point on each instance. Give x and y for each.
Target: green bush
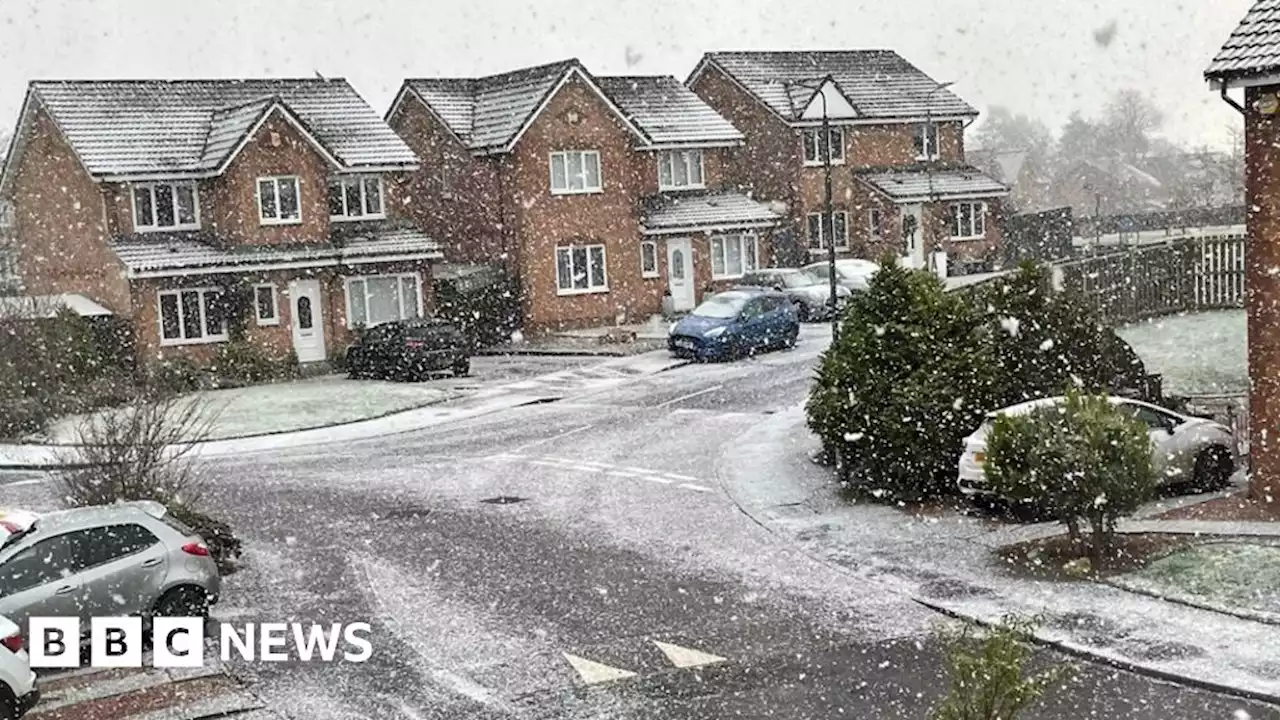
(1082, 460)
(242, 361)
(174, 375)
(902, 385)
(988, 672)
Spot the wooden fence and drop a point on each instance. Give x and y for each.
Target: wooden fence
(1180, 275)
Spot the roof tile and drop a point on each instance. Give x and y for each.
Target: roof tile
(1254, 46)
(942, 184)
(709, 211)
(667, 111)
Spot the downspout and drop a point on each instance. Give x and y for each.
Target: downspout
(1222, 92)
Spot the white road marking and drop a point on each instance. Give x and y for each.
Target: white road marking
(659, 480)
(623, 473)
(593, 672)
(562, 465)
(689, 396)
(683, 657)
(678, 476)
(16, 483)
(699, 488)
(553, 438)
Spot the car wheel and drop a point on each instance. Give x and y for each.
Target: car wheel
(187, 601)
(802, 312)
(793, 338)
(1214, 466)
(8, 703)
(462, 368)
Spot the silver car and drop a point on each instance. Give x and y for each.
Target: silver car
(809, 293)
(1184, 449)
(853, 273)
(110, 560)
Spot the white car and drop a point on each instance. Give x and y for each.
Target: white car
(18, 691)
(853, 273)
(1183, 448)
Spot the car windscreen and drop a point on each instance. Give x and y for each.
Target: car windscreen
(724, 305)
(800, 279)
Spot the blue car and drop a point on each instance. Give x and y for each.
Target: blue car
(736, 322)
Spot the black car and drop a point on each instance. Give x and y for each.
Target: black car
(409, 349)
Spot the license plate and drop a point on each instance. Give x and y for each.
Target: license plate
(686, 344)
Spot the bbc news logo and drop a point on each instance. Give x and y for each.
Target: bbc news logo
(179, 642)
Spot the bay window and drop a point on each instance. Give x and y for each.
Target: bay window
(191, 315)
(680, 169)
(165, 206)
(733, 255)
(580, 269)
(968, 220)
(376, 299)
(355, 198)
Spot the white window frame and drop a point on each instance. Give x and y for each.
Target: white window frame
(351, 280)
(744, 240)
(667, 162)
(150, 188)
(346, 216)
(875, 222)
(10, 273)
(275, 305)
(568, 189)
(205, 338)
(929, 141)
(809, 140)
(841, 243)
(8, 219)
(652, 247)
(591, 286)
(276, 179)
(977, 229)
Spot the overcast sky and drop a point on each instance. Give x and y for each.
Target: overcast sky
(1043, 57)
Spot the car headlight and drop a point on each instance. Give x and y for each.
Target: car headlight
(714, 332)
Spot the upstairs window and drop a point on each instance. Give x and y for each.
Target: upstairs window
(926, 141)
(355, 198)
(165, 206)
(575, 171)
(968, 221)
(874, 223)
(278, 200)
(837, 228)
(813, 150)
(680, 169)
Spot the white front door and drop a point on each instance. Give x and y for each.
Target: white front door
(680, 273)
(913, 235)
(308, 317)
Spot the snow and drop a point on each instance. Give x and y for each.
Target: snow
(1235, 576)
(1199, 353)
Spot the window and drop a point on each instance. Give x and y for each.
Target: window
(51, 560)
(6, 215)
(265, 304)
(926, 141)
(649, 259)
(732, 255)
(375, 299)
(191, 316)
(278, 200)
(813, 152)
(575, 171)
(355, 198)
(817, 230)
(679, 169)
(117, 541)
(165, 206)
(580, 269)
(968, 220)
(9, 279)
(874, 223)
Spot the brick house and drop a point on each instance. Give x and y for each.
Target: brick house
(1250, 62)
(601, 195)
(201, 208)
(900, 181)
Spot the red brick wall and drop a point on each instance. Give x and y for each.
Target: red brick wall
(1262, 292)
(768, 162)
(61, 223)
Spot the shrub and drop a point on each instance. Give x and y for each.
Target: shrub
(1082, 460)
(902, 385)
(246, 362)
(988, 674)
(174, 376)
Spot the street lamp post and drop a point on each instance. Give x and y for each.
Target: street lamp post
(930, 150)
(828, 214)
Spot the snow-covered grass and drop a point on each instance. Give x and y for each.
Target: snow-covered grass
(1230, 575)
(1197, 353)
(283, 407)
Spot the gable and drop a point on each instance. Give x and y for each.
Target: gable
(572, 113)
(832, 102)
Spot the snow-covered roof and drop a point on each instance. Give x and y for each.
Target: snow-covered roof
(879, 84)
(919, 185)
(47, 306)
(705, 212)
(147, 127)
(186, 256)
(1254, 46)
(667, 111)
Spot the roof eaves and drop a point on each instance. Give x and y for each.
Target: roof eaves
(25, 117)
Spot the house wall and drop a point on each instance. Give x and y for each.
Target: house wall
(1262, 294)
(61, 223)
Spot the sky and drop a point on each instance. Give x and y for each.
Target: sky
(1045, 58)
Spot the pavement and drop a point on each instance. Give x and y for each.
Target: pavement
(627, 551)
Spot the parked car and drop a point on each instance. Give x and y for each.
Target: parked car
(736, 322)
(1184, 449)
(853, 273)
(810, 293)
(124, 559)
(19, 691)
(409, 350)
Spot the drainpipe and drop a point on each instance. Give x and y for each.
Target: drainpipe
(1222, 91)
